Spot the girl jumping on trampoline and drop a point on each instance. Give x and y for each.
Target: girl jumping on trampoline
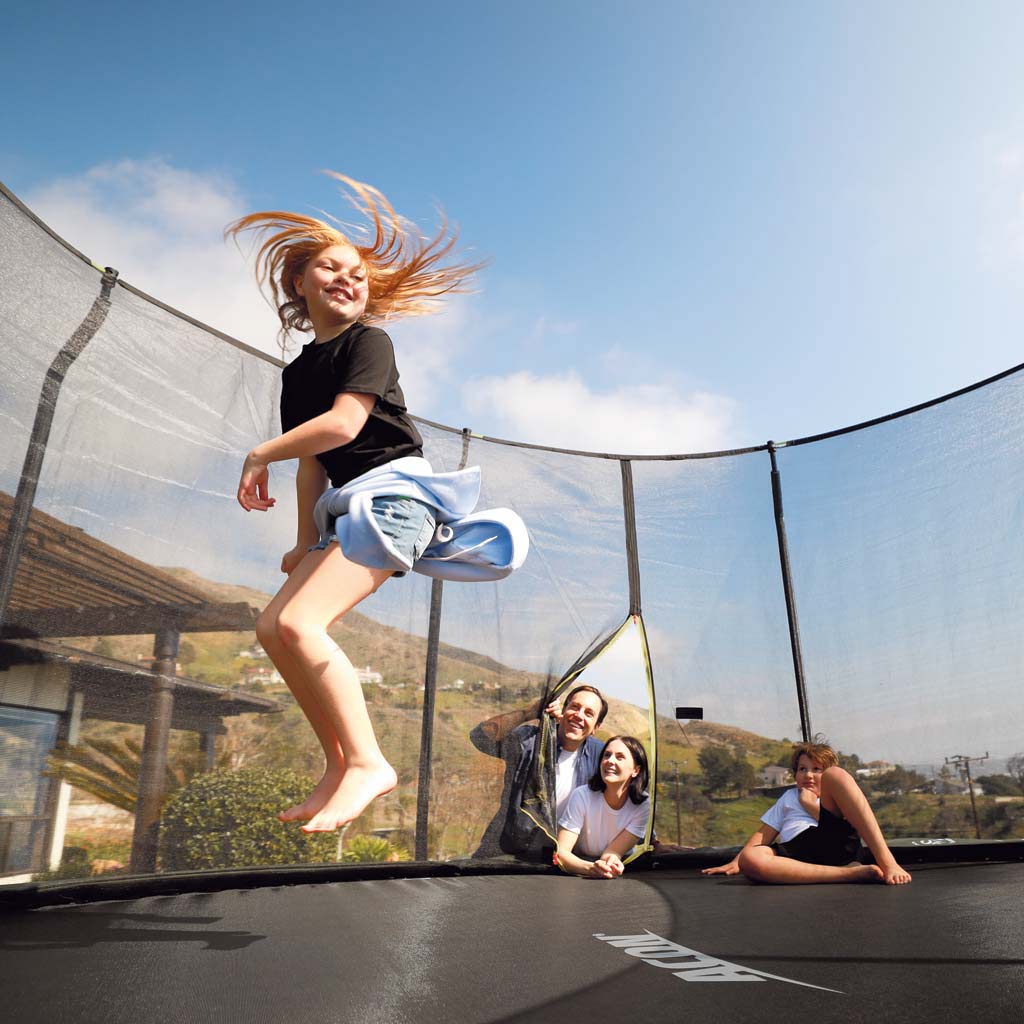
(344, 418)
(818, 825)
(604, 819)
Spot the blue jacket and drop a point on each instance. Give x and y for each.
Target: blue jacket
(467, 546)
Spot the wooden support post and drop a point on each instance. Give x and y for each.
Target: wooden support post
(154, 753)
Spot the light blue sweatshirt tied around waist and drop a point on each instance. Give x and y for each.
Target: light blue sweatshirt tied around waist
(467, 546)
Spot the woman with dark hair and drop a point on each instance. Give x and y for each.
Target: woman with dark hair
(604, 819)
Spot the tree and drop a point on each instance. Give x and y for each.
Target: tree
(999, 785)
(742, 777)
(1015, 767)
(717, 764)
(108, 770)
(898, 781)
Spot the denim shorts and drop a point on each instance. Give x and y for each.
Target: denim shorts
(409, 525)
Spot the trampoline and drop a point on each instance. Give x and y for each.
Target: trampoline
(863, 583)
(661, 945)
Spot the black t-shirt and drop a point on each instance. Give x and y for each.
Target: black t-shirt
(362, 360)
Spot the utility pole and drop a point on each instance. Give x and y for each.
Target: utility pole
(962, 763)
(679, 826)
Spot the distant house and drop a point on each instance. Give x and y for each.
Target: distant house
(775, 775)
(367, 675)
(874, 768)
(955, 787)
(255, 652)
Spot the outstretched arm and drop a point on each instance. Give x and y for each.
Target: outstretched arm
(764, 836)
(488, 736)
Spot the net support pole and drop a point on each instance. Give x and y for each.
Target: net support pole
(629, 520)
(153, 770)
(787, 589)
(32, 467)
(429, 699)
(427, 729)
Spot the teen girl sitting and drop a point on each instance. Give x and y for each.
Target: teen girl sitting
(818, 824)
(604, 819)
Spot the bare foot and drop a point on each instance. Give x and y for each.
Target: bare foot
(866, 873)
(359, 787)
(322, 792)
(895, 875)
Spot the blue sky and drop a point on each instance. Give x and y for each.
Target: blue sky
(708, 224)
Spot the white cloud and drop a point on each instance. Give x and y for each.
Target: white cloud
(562, 411)
(162, 228)
(426, 350)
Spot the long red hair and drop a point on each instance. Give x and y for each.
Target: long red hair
(406, 273)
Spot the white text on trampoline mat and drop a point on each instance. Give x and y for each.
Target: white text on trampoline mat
(689, 964)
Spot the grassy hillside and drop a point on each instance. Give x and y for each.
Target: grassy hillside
(466, 785)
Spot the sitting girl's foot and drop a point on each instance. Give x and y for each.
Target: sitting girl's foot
(359, 787)
(322, 792)
(866, 873)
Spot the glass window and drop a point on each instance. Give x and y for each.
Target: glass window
(26, 737)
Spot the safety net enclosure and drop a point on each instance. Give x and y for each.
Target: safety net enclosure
(142, 729)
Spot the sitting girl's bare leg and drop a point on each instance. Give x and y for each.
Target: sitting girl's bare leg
(266, 633)
(323, 587)
(762, 864)
(841, 795)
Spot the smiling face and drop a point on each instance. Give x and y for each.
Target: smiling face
(618, 765)
(580, 717)
(808, 774)
(334, 285)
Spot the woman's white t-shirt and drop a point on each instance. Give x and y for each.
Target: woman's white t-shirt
(597, 824)
(788, 817)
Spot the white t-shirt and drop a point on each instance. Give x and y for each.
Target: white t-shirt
(564, 772)
(788, 817)
(597, 824)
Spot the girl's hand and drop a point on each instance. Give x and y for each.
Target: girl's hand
(732, 868)
(290, 560)
(253, 487)
(614, 864)
(601, 869)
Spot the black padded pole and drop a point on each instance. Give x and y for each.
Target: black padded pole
(629, 517)
(33, 464)
(787, 589)
(427, 727)
(429, 698)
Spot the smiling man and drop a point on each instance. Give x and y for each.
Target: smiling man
(513, 736)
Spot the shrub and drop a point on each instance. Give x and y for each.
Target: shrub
(364, 849)
(228, 819)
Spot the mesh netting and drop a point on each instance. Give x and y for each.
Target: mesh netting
(142, 727)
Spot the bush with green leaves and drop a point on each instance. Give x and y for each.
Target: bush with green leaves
(373, 849)
(228, 819)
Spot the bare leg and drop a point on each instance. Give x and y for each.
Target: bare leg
(266, 632)
(841, 795)
(762, 864)
(323, 587)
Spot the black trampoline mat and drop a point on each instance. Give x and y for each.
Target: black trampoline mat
(493, 948)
